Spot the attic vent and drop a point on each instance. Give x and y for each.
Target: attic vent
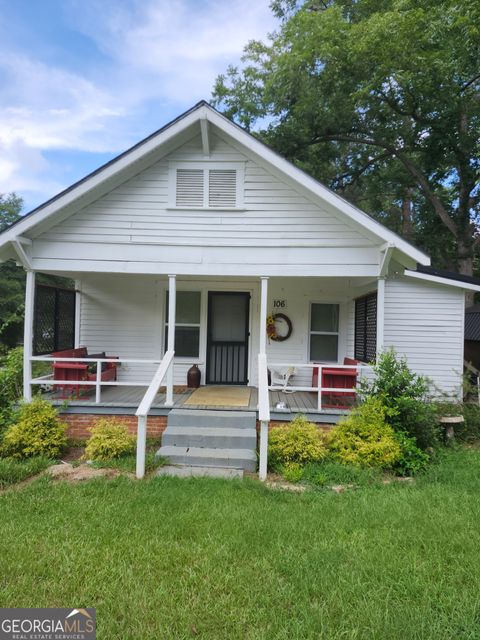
(206, 185)
(189, 188)
(222, 188)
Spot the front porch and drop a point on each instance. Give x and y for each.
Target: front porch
(125, 401)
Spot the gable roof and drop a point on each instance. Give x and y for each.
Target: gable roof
(202, 111)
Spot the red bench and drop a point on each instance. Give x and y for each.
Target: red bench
(337, 378)
(76, 372)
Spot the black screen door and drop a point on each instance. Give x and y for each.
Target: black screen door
(227, 344)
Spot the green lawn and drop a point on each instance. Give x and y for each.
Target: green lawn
(169, 558)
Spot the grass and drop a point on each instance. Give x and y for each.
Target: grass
(128, 463)
(171, 558)
(13, 471)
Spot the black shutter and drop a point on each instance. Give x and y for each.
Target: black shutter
(366, 328)
(54, 319)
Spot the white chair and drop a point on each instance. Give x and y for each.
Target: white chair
(281, 376)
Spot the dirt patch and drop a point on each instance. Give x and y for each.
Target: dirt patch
(73, 453)
(67, 471)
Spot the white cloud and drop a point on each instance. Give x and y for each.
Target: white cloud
(158, 56)
(173, 50)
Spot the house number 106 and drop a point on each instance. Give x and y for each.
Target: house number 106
(279, 304)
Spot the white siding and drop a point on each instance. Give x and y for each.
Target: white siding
(425, 322)
(119, 315)
(123, 315)
(278, 228)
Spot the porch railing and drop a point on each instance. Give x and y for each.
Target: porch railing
(98, 383)
(319, 389)
(146, 404)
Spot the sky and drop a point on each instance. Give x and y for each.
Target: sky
(83, 80)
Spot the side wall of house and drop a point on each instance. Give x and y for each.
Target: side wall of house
(425, 322)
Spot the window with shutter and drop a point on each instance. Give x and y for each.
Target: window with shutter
(366, 328)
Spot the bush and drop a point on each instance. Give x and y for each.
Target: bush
(292, 471)
(404, 394)
(299, 442)
(110, 439)
(412, 459)
(365, 438)
(37, 431)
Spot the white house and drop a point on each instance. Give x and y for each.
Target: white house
(204, 213)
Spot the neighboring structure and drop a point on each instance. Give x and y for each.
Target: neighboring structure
(204, 213)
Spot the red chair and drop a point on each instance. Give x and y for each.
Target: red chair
(337, 378)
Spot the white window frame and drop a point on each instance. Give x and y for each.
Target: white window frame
(324, 333)
(194, 359)
(206, 166)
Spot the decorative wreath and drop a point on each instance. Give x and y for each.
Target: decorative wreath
(272, 327)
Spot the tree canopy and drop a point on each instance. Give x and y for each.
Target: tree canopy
(380, 99)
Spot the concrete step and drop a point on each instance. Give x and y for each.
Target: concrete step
(190, 472)
(210, 457)
(208, 418)
(210, 437)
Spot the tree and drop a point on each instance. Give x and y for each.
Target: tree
(381, 100)
(12, 279)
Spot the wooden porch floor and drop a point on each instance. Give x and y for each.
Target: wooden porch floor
(130, 397)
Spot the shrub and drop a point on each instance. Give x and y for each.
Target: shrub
(300, 442)
(37, 431)
(404, 393)
(292, 471)
(412, 459)
(365, 439)
(110, 439)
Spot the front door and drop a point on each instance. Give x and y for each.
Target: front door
(227, 344)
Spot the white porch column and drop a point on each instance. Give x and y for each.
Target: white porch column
(263, 447)
(263, 314)
(380, 314)
(28, 335)
(172, 305)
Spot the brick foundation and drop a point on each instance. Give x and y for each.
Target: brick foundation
(79, 424)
